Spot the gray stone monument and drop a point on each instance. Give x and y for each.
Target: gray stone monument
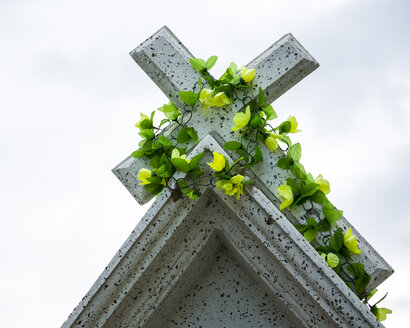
(218, 261)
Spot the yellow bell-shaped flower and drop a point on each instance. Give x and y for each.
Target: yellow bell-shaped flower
(293, 124)
(205, 97)
(247, 74)
(220, 100)
(143, 175)
(272, 141)
(143, 118)
(324, 185)
(175, 154)
(232, 186)
(286, 193)
(219, 162)
(241, 119)
(350, 241)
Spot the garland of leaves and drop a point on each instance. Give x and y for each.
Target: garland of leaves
(166, 154)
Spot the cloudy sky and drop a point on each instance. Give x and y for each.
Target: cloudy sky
(70, 95)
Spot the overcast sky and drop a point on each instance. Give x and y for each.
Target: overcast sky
(70, 95)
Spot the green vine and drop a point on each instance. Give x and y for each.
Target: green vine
(166, 154)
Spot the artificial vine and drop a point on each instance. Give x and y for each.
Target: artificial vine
(166, 154)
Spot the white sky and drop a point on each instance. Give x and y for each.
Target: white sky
(70, 95)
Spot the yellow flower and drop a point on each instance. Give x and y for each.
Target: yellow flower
(220, 99)
(247, 74)
(143, 175)
(175, 154)
(241, 119)
(324, 185)
(143, 118)
(351, 242)
(286, 193)
(232, 186)
(293, 124)
(219, 162)
(205, 97)
(271, 141)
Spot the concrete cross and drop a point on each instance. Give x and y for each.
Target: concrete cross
(166, 61)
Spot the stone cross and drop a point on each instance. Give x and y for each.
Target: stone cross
(218, 261)
(166, 61)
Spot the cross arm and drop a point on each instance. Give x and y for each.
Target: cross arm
(166, 61)
(282, 66)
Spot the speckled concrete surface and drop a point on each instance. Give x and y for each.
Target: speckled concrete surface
(185, 253)
(224, 294)
(165, 59)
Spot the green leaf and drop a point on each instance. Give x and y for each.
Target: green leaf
(319, 197)
(154, 188)
(180, 164)
(258, 156)
(147, 133)
(193, 134)
(310, 234)
(255, 122)
(232, 145)
(165, 141)
(183, 135)
(243, 154)
(138, 153)
(233, 67)
(294, 185)
(336, 240)
(146, 124)
(188, 97)
(182, 183)
(332, 215)
(356, 269)
(380, 313)
(298, 171)
(301, 227)
(270, 112)
(295, 152)
(146, 145)
(283, 163)
(309, 189)
(312, 223)
(154, 162)
(323, 249)
(285, 127)
(211, 62)
(286, 140)
(345, 252)
(165, 120)
(195, 160)
(156, 144)
(193, 194)
(324, 225)
(170, 110)
(333, 260)
(200, 83)
(361, 283)
(261, 97)
(198, 64)
(197, 172)
(164, 171)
